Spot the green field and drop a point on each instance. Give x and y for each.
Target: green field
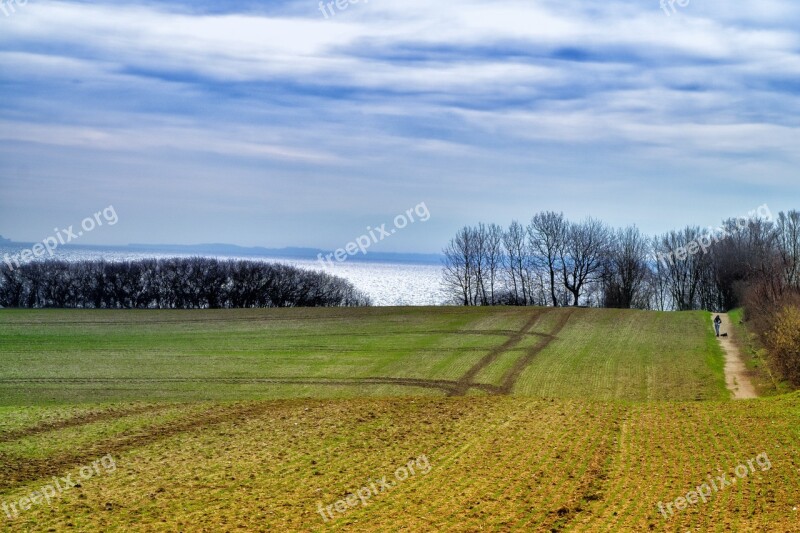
(94, 356)
(527, 420)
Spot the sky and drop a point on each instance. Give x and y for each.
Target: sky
(275, 124)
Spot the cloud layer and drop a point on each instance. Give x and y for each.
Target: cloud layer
(266, 123)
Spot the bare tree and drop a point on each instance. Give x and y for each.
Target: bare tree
(680, 267)
(626, 268)
(493, 250)
(516, 252)
(479, 239)
(582, 255)
(788, 228)
(459, 265)
(548, 233)
(554, 262)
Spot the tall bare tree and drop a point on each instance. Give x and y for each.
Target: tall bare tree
(493, 250)
(516, 254)
(626, 268)
(459, 262)
(681, 268)
(582, 255)
(788, 227)
(548, 233)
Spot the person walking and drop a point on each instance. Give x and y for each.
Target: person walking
(717, 324)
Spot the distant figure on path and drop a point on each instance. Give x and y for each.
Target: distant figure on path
(717, 324)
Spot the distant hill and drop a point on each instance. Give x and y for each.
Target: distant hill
(219, 249)
(287, 253)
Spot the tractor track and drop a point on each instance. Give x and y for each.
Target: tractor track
(80, 420)
(467, 380)
(451, 388)
(444, 385)
(523, 362)
(593, 483)
(20, 470)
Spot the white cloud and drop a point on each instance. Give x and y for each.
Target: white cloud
(414, 89)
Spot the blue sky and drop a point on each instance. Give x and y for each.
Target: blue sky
(264, 123)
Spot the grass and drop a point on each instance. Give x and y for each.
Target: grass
(68, 357)
(528, 419)
(496, 463)
(616, 354)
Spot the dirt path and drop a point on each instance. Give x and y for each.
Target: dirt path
(736, 377)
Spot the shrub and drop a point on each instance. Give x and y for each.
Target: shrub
(183, 283)
(784, 342)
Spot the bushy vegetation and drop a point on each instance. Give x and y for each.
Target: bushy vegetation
(784, 342)
(190, 283)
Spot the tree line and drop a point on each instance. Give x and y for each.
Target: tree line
(553, 261)
(186, 283)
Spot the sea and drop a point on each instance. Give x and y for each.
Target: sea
(386, 282)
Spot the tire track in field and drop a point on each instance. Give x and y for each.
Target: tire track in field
(19, 470)
(80, 420)
(443, 385)
(466, 381)
(522, 363)
(449, 387)
(259, 318)
(484, 332)
(158, 321)
(593, 481)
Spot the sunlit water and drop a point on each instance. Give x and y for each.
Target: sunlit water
(387, 284)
